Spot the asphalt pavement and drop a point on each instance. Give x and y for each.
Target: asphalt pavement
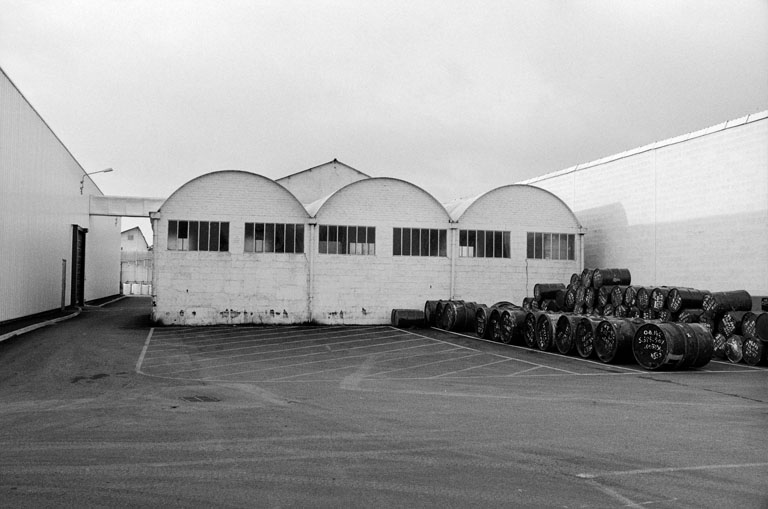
(103, 410)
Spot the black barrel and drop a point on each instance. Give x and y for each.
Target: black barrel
(754, 351)
(717, 303)
(672, 346)
(529, 328)
(613, 339)
(611, 277)
(494, 319)
(545, 331)
(458, 315)
(604, 295)
(659, 298)
(481, 322)
(731, 322)
(630, 296)
(565, 333)
(585, 336)
(685, 298)
(402, 318)
(543, 291)
(430, 312)
(512, 323)
(617, 295)
(586, 277)
(690, 315)
(734, 348)
(644, 297)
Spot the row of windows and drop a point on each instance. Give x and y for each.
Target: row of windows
(361, 240)
(484, 244)
(198, 236)
(274, 238)
(551, 246)
(419, 242)
(354, 240)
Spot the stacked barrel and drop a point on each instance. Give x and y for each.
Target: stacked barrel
(600, 314)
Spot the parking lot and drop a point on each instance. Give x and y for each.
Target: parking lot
(108, 410)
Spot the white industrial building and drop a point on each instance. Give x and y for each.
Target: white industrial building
(333, 245)
(687, 211)
(53, 252)
(237, 247)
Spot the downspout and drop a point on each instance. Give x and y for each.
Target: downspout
(454, 227)
(311, 274)
(582, 232)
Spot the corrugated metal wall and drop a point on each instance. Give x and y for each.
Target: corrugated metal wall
(40, 200)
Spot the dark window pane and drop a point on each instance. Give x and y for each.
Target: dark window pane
(269, 238)
(248, 242)
(224, 237)
(498, 245)
(183, 229)
(547, 246)
(172, 234)
(352, 246)
(214, 243)
(299, 238)
(279, 238)
(539, 246)
(415, 242)
(530, 243)
(333, 240)
(424, 242)
(571, 247)
(443, 242)
(406, 241)
(463, 238)
(480, 244)
(434, 243)
(323, 240)
(203, 241)
(555, 246)
(507, 245)
(342, 240)
(259, 246)
(397, 247)
(472, 243)
(489, 244)
(290, 238)
(563, 246)
(193, 229)
(370, 239)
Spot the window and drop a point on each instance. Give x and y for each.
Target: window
(484, 244)
(551, 246)
(419, 242)
(353, 240)
(273, 238)
(198, 236)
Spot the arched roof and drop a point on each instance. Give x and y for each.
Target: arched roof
(457, 208)
(313, 209)
(246, 174)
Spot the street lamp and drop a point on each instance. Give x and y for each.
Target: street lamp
(82, 180)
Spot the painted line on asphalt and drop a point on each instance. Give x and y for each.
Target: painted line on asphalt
(144, 351)
(489, 353)
(663, 470)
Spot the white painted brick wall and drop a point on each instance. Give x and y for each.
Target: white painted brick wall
(519, 210)
(195, 288)
(365, 289)
(693, 213)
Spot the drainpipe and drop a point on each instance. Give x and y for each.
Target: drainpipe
(581, 233)
(453, 252)
(311, 275)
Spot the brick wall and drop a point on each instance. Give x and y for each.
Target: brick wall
(365, 289)
(519, 210)
(692, 211)
(196, 288)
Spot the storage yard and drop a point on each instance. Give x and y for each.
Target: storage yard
(600, 314)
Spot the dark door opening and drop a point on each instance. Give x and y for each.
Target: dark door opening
(78, 265)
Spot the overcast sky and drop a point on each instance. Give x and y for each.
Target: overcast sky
(456, 96)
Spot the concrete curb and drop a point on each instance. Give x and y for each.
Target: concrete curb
(36, 326)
